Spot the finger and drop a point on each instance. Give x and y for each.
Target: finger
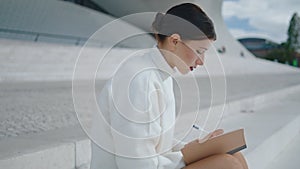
(206, 138)
(217, 132)
(211, 135)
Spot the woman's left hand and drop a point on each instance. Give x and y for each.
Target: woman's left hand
(207, 137)
(211, 135)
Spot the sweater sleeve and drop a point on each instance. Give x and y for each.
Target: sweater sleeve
(136, 128)
(178, 144)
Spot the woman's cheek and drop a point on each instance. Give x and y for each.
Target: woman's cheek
(191, 58)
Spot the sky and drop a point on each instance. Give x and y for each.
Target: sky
(260, 18)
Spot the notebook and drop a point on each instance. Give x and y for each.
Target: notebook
(230, 143)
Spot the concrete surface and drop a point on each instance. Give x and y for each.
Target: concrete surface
(33, 107)
(65, 148)
(29, 61)
(268, 130)
(289, 156)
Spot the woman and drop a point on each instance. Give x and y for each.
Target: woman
(138, 103)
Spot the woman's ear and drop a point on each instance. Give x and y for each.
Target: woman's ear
(173, 40)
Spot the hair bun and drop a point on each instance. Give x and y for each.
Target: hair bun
(156, 25)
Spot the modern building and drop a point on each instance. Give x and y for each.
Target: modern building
(258, 46)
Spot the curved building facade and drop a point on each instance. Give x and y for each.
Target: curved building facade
(212, 7)
(258, 46)
(58, 22)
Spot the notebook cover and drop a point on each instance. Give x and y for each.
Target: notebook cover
(230, 143)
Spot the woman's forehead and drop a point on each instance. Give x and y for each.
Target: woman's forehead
(205, 43)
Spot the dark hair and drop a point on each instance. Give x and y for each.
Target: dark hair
(187, 19)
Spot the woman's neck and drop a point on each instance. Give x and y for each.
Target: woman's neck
(166, 54)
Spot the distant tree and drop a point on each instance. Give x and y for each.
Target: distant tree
(288, 51)
(278, 54)
(293, 43)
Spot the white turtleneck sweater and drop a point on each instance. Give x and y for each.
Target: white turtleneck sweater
(135, 126)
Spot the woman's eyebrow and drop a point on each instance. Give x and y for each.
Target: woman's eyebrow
(203, 48)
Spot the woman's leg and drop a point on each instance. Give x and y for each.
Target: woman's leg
(221, 161)
(242, 159)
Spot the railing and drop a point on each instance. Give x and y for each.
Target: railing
(38, 36)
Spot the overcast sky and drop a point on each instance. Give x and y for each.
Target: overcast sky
(260, 18)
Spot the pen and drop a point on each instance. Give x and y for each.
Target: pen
(195, 126)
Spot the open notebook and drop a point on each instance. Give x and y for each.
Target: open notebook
(230, 143)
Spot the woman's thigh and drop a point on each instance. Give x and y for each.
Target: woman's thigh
(242, 159)
(221, 161)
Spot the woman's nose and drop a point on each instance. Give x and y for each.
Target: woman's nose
(199, 61)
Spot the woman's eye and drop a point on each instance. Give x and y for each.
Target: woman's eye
(199, 52)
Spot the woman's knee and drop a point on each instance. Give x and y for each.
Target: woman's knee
(231, 162)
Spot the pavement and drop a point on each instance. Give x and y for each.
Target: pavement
(288, 157)
(33, 107)
(41, 122)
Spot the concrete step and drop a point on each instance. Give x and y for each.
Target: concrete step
(269, 128)
(65, 148)
(288, 157)
(234, 109)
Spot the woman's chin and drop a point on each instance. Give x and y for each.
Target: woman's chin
(185, 71)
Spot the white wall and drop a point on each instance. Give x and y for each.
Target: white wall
(58, 17)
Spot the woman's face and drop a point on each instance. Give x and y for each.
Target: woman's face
(190, 54)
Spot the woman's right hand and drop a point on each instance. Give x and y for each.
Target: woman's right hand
(211, 135)
(207, 137)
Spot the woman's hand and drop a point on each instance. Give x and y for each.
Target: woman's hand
(207, 137)
(194, 143)
(211, 135)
